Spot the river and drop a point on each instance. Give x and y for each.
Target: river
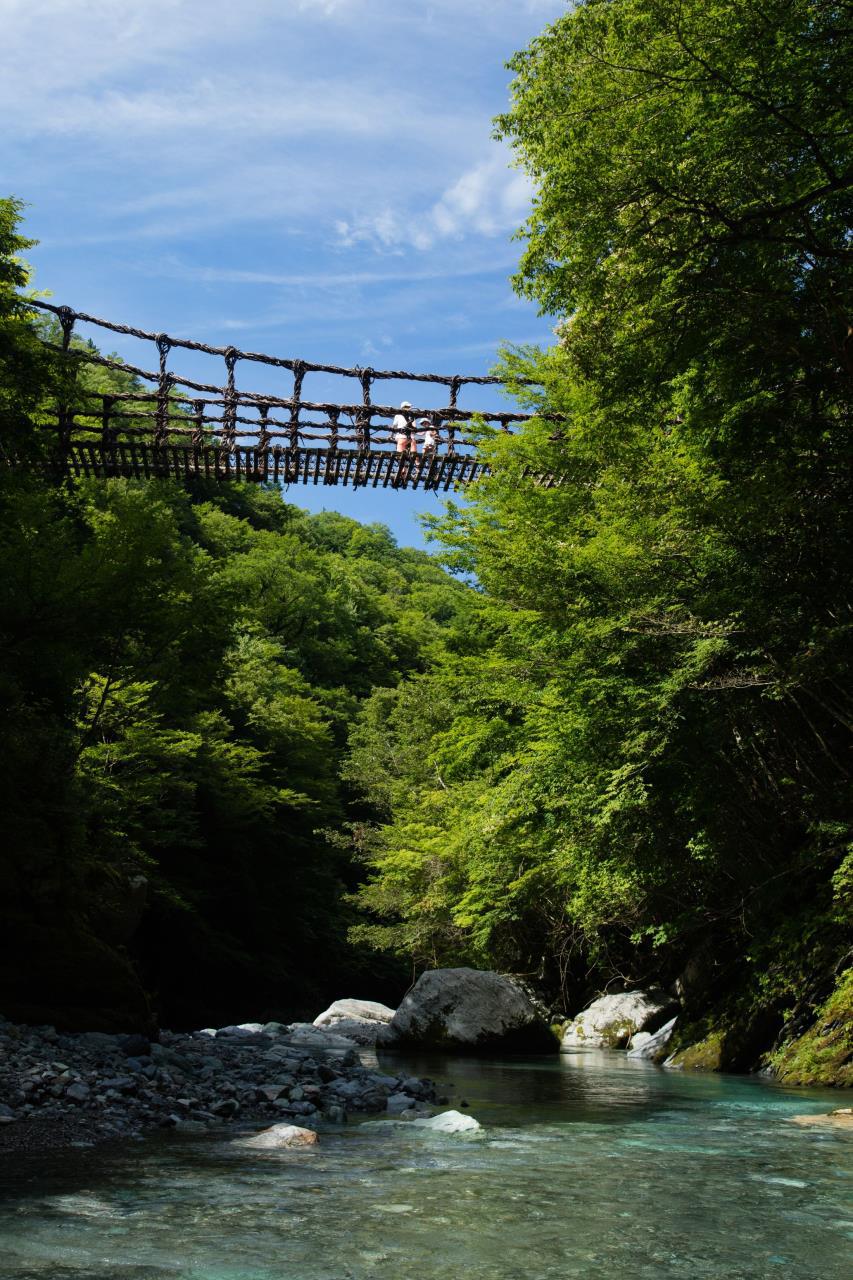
(588, 1165)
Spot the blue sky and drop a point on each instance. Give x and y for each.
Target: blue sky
(313, 178)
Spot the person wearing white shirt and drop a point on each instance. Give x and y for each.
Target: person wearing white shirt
(430, 436)
(401, 432)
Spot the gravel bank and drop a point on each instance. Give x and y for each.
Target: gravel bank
(75, 1090)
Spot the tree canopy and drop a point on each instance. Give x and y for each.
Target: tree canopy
(651, 762)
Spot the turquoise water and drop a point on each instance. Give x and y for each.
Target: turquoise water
(588, 1165)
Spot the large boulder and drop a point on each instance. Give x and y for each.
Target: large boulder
(471, 1011)
(366, 1022)
(611, 1021)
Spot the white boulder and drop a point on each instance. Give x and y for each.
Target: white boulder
(472, 1010)
(365, 1022)
(348, 1010)
(611, 1021)
(449, 1122)
(651, 1044)
(279, 1137)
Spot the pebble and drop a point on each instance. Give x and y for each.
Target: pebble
(59, 1089)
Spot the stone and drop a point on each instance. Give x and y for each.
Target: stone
(306, 1035)
(398, 1102)
(272, 1091)
(78, 1092)
(472, 1010)
(651, 1045)
(612, 1020)
(449, 1122)
(98, 1040)
(362, 1031)
(841, 1118)
(225, 1109)
(135, 1046)
(280, 1137)
(705, 1055)
(122, 1084)
(354, 1011)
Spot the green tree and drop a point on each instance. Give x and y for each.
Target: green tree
(652, 760)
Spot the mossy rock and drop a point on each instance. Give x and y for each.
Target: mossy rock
(824, 1054)
(706, 1055)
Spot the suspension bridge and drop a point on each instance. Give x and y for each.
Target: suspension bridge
(163, 423)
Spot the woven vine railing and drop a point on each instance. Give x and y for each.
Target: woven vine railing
(171, 425)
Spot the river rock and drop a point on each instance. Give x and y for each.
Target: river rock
(449, 1122)
(347, 1010)
(472, 1010)
(364, 1022)
(612, 1020)
(306, 1035)
(842, 1118)
(279, 1137)
(651, 1044)
(395, 1103)
(83, 1089)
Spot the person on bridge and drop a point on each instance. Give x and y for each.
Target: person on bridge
(430, 436)
(402, 432)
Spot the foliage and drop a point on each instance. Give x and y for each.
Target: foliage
(651, 756)
(179, 671)
(824, 1054)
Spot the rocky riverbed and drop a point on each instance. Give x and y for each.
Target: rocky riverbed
(63, 1089)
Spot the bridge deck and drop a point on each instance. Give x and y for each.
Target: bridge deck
(376, 468)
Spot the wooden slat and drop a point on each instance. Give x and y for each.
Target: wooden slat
(423, 461)
(349, 464)
(436, 477)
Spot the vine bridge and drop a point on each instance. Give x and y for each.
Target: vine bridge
(170, 425)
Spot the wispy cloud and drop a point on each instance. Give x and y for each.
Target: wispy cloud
(176, 269)
(488, 199)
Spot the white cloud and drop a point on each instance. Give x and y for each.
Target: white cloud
(489, 199)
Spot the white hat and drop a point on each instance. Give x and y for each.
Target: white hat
(404, 404)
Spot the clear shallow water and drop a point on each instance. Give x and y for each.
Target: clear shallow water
(589, 1165)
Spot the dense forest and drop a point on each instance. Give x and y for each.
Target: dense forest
(647, 775)
(255, 758)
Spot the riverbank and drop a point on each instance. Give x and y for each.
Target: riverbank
(77, 1090)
